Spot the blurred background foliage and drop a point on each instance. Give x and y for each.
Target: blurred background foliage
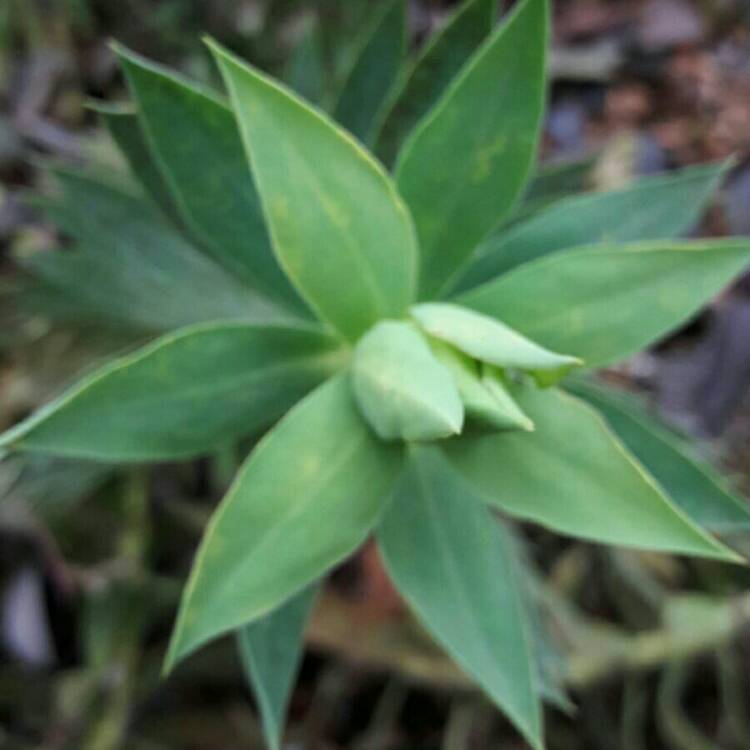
(655, 650)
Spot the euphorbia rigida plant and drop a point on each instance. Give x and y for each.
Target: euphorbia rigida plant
(413, 346)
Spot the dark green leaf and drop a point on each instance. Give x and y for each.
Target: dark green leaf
(306, 498)
(130, 269)
(338, 226)
(51, 487)
(650, 209)
(271, 650)
(603, 303)
(692, 483)
(557, 180)
(374, 71)
(551, 183)
(402, 389)
(437, 64)
(572, 475)
(195, 139)
(305, 72)
(454, 565)
(126, 131)
(181, 396)
(467, 161)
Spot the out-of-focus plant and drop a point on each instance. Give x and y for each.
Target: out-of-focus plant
(413, 339)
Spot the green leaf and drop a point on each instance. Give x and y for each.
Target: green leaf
(305, 72)
(454, 565)
(544, 617)
(650, 209)
(467, 161)
(401, 388)
(485, 400)
(51, 488)
(374, 71)
(692, 483)
(504, 401)
(129, 269)
(183, 395)
(551, 183)
(305, 499)
(186, 127)
(572, 475)
(603, 303)
(338, 226)
(271, 651)
(557, 180)
(441, 58)
(126, 132)
(491, 341)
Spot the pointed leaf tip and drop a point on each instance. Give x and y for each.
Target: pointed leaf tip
(271, 651)
(468, 595)
(438, 62)
(289, 516)
(691, 482)
(491, 341)
(186, 124)
(616, 299)
(237, 378)
(485, 400)
(469, 158)
(589, 487)
(374, 71)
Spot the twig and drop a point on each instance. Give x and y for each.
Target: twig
(384, 717)
(634, 706)
(733, 700)
(674, 726)
(460, 724)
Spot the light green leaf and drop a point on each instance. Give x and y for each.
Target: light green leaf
(186, 127)
(505, 403)
(572, 475)
(305, 72)
(691, 482)
(374, 71)
(650, 209)
(129, 269)
(469, 158)
(603, 303)
(271, 651)
(454, 565)
(401, 388)
(491, 341)
(183, 395)
(126, 132)
(437, 64)
(306, 498)
(338, 226)
(485, 400)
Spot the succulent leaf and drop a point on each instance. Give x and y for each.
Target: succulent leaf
(402, 389)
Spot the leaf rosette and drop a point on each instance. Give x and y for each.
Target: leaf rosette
(402, 340)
